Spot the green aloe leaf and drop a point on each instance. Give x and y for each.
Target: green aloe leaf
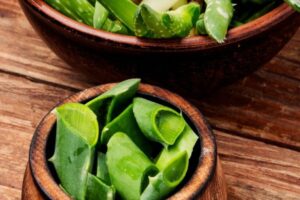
(159, 5)
(108, 105)
(80, 10)
(128, 166)
(77, 133)
(127, 124)
(97, 189)
(295, 4)
(169, 24)
(124, 10)
(102, 170)
(159, 123)
(168, 179)
(217, 18)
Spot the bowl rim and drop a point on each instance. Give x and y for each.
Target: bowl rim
(197, 183)
(235, 35)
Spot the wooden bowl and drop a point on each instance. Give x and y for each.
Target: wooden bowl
(191, 66)
(204, 179)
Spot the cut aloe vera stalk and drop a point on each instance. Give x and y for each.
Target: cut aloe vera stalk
(217, 18)
(101, 21)
(295, 4)
(108, 105)
(80, 10)
(76, 136)
(102, 171)
(124, 10)
(185, 142)
(200, 26)
(97, 189)
(128, 166)
(168, 179)
(159, 123)
(127, 124)
(177, 23)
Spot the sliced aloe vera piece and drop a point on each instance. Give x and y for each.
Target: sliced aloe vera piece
(168, 179)
(128, 166)
(200, 26)
(76, 136)
(217, 18)
(124, 10)
(82, 9)
(108, 105)
(102, 170)
(177, 23)
(97, 189)
(159, 123)
(102, 21)
(127, 124)
(185, 142)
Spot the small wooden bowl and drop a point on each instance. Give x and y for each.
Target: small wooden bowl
(204, 179)
(175, 64)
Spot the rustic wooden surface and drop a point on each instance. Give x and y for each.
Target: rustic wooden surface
(256, 121)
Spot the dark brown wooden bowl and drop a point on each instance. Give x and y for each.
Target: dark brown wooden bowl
(192, 66)
(204, 179)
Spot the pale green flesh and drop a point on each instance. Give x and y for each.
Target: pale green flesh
(154, 121)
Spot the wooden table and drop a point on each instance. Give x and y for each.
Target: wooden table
(256, 121)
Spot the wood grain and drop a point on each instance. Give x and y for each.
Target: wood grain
(257, 119)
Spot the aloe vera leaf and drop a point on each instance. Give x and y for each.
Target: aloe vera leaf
(82, 9)
(217, 18)
(124, 10)
(295, 4)
(159, 5)
(97, 189)
(179, 3)
(158, 123)
(101, 21)
(108, 105)
(102, 171)
(185, 142)
(177, 23)
(168, 179)
(127, 124)
(200, 27)
(128, 166)
(76, 136)
(57, 4)
(100, 15)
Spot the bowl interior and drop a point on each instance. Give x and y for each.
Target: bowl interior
(194, 160)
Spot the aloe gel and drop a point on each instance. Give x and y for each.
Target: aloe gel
(159, 123)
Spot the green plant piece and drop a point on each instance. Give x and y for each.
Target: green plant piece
(76, 136)
(80, 10)
(97, 189)
(217, 18)
(124, 10)
(102, 171)
(177, 23)
(108, 105)
(158, 123)
(127, 124)
(200, 26)
(128, 166)
(168, 179)
(102, 21)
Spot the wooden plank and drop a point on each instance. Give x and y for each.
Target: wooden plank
(255, 170)
(263, 106)
(8, 193)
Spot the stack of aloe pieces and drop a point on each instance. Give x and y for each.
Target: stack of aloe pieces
(121, 146)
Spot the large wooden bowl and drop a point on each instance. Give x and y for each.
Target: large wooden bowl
(192, 66)
(204, 179)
